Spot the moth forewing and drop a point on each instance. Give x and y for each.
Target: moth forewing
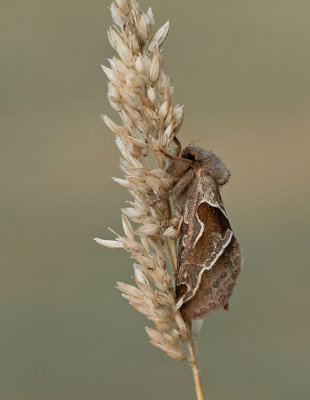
(209, 256)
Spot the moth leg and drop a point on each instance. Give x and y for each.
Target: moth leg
(177, 231)
(167, 155)
(178, 150)
(180, 224)
(179, 147)
(226, 307)
(179, 187)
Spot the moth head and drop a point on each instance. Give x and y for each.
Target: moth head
(190, 153)
(209, 162)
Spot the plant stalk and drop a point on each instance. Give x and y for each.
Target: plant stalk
(194, 362)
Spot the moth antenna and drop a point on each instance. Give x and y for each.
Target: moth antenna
(192, 142)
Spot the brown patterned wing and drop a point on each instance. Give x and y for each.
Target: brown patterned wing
(209, 259)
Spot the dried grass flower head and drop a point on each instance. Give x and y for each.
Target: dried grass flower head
(140, 90)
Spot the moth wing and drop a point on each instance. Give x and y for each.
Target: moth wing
(215, 200)
(209, 258)
(206, 233)
(216, 284)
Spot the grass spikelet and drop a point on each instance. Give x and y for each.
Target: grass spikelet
(140, 90)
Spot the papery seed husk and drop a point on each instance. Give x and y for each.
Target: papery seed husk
(114, 100)
(163, 314)
(161, 173)
(134, 6)
(122, 182)
(155, 183)
(110, 74)
(138, 142)
(113, 93)
(118, 130)
(134, 81)
(139, 276)
(126, 120)
(171, 232)
(133, 299)
(123, 5)
(141, 308)
(133, 43)
(167, 87)
(132, 112)
(149, 229)
(177, 127)
(140, 65)
(124, 150)
(114, 37)
(155, 335)
(160, 259)
(134, 150)
(135, 212)
(169, 117)
(151, 16)
(159, 37)
(148, 272)
(147, 291)
(132, 245)
(145, 242)
(143, 126)
(115, 106)
(137, 171)
(131, 98)
(168, 134)
(121, 48)
(125, 54)
(163, 110)
(159, 345)
(118, 16)
(162, 326)
(171, 339)
(154, 67)
(180, 324)
(119, 67)
(169, 130)
(150, 114)
(142, 26)
(128, 229)
(139, 182)
(177, 353)
(112, 244)
(146, 261)
(178, 113)
(124, 166)
(151, 94)
(159, 276)
(129, 289)
(165, 298)
(121, 144)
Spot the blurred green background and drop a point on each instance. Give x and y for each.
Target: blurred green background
(242, 70)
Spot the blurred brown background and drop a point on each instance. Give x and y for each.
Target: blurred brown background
(242, 70)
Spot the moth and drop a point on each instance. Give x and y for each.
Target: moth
(209, 256)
